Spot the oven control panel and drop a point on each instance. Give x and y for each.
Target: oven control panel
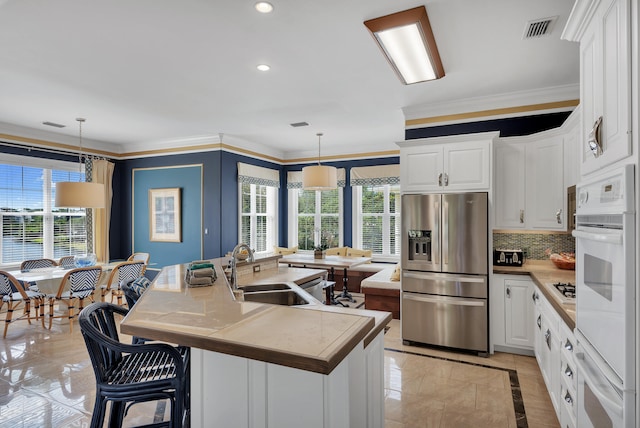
(607, 194)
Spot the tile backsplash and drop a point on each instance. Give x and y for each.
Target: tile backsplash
(535, 244)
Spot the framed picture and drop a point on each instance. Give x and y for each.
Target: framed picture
(164, 215)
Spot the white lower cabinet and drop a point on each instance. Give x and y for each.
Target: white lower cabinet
(554, 343)
(230, 391)
(511, 313)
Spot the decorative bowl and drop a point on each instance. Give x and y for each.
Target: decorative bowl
(243, 255)
(84, 260)
(564, 261)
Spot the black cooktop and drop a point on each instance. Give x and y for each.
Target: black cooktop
(567, 289)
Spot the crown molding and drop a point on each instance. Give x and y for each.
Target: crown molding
(522, 103)
(578, 20)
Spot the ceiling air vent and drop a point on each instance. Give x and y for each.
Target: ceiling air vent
(539, 27)
(299, 124)
(56, 125)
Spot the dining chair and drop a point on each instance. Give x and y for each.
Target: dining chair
(37, 264)
(144, 257)
(14, 295)
(121, 273)
(78, 284)
(67, 262)
(27, 265)
(132, 373)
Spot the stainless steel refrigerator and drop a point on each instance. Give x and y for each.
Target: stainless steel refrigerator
(445, 268)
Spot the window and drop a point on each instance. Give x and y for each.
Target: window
(258, 206)
(31, 226)
(258, 216)
(377, 219)
(376, 210)
(318, 218)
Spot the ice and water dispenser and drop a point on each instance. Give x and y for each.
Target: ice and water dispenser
(420, 245)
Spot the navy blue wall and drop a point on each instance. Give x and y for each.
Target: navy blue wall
(508, 127)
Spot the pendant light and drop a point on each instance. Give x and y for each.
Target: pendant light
(79, 194)
(319, 177)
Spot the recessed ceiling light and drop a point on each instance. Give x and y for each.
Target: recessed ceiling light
(55, 125)
(264, 7)
(263, 67)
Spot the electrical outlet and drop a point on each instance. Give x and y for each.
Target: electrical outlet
(256, 268)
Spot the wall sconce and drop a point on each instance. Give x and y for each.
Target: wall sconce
(408, 44)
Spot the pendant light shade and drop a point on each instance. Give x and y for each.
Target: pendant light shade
(79, 195)
(319, 177)
(73, 194)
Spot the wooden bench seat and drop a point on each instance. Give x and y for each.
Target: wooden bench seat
(382, 294)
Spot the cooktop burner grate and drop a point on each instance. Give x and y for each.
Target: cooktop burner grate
(567, 289)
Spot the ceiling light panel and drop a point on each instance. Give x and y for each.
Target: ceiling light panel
(263, 67)
(408, 43)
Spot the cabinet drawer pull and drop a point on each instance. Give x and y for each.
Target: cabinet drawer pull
(508, 292)
(567, 398)
(568, 346)
(440, 179)
(568, 372)
(521, 216)
(539, 322)
(559, 216)
(446, 179)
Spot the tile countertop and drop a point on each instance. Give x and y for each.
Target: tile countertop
(312, 337)
(544, 273)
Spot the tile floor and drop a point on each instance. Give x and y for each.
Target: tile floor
(46, 380)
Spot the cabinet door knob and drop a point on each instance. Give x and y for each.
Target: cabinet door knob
(547, 338)
(508, 292)
(521, 216)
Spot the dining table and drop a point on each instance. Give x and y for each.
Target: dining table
(331, 263)
(48, 279)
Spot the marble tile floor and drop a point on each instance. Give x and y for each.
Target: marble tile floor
(46, 380)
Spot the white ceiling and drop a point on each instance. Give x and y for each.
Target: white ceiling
(149, 74)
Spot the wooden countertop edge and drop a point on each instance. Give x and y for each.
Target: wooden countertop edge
(554, 303)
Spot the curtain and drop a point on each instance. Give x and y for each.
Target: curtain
(294, 179)
(103, 173)
(252, 174)
(375, 175)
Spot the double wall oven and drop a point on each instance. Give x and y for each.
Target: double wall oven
(605, 300)
(444, 270)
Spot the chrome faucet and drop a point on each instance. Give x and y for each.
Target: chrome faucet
(234, 253)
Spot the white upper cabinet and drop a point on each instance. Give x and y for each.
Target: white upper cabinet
(603, 29)
(446, 164)
(530, 191)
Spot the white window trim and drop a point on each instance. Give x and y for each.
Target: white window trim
(47, 165)
(272, 217)
(356, 226)
(293, 214)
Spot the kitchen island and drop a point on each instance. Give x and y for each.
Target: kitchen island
(256, 364)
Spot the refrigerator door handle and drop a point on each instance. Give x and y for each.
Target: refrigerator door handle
(445, 233)
(438, 221)
(449, 278)
(443, 299)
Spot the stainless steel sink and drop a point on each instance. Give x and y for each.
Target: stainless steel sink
(277, 297)
(265, 287)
